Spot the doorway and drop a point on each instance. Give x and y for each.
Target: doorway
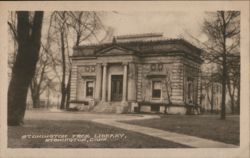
(116, 87)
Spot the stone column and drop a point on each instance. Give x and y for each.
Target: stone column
(125, 77)
(109, 88)
(104, 82)
(199, 88)
(98, 85)
(132, 82)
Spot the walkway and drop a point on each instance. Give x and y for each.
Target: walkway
(191, 141)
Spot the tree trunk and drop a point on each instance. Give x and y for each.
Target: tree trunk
(211, 103)
(64, 94)
(35, 100)
(231, 91)
(232, 105)
(224, 69)
(63, 87)
(223, 95)
(35, 96)
(212, 99)
(23, 70)
(68, 91)
(233, 100)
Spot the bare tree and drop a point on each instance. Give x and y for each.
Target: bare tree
(81, 27)
(223, 31)
(85, 26)
(41, 78)
(60, 27)
(29, 41)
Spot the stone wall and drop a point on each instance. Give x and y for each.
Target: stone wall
(73, 82)
(192, 72)
(132, 82)
(85, 73)
(171, 67)
(81, 71)
(177, 82)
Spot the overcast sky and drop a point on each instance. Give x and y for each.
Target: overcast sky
(171, 24)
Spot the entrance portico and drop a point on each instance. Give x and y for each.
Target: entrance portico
(114, 82)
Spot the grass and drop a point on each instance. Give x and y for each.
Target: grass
(209, 127)
(69, 128)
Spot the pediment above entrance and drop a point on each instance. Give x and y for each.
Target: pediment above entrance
(114, 51)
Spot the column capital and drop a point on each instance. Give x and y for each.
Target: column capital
(125, 78)
(124, 63)
(104, 64)
(132, 62)
(104, 82)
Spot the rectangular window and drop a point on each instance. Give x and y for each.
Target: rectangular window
(156, 89)
(190, 90)
(89, 88)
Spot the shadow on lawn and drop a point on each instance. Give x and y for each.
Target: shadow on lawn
(204, 126)
(41, 127)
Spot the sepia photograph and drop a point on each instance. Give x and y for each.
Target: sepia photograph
(126, 79)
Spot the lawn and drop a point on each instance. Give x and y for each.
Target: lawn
(87, 131)
(209, 127)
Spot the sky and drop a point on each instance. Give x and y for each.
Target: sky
(171, 24)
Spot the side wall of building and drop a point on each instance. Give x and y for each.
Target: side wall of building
(192, 85)
(168, 70)
(83, 71)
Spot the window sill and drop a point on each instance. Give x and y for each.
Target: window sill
(156, 99)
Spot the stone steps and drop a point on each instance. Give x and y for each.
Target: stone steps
(114, 107)
(105, 108)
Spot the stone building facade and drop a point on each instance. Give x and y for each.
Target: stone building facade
(135, 73)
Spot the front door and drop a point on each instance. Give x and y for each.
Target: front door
(116, 87)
